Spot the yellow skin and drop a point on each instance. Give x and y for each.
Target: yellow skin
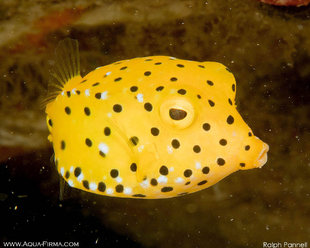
(93, 140)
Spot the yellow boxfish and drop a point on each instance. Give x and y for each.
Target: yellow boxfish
(153, 127)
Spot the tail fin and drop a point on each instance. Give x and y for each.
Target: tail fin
(67, 67)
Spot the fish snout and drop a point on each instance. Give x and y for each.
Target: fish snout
(262, 157)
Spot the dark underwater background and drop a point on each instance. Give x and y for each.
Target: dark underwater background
(268, 50)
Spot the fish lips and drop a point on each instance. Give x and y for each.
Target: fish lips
(262, 157)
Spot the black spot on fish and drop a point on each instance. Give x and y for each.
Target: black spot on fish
(119, 188)
(166, 189)
(68, 93)
(67, 110)
(85, 184)
(102, 154)
(98, 95)
(83, 81)
(88, 142)
(223, 142)
(101, 186)
(134, 140)
(78, 92)
(147, 73)
(50, 122)
(250, 134)
(139, 195)
(202, 182)
(230, 120)
(188, 173)
(67, 175)
(188, 183)
(220, 161)
(206, 126)
(160, 88)
(62, 145)
(148, 107)
(196, 149)
(117, 79)
(199, 96)
(175, 143)
(210, 82)
(205, 170)
(180, 65)
(242, 164)
(154, 131)
(154, 182)
(247, 147)
(114, 173)
(133, 167)
(107, 131)
(233, 87)
(158, 63)
(229, 101)
(123, 68)
(95, 84)
(117, 108)
(182, 91)
(163, 170)
(201, 66)
(173, 79)
(211, 103)
(77, 171)
(87, 111)
(133, 88)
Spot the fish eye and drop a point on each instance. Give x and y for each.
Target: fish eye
(177, 112)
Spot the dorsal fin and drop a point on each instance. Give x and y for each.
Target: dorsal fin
(67, 60)
(67, 67)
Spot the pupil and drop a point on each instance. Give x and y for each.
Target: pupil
(177, 114)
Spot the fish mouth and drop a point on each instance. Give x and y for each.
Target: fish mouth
(262, 157)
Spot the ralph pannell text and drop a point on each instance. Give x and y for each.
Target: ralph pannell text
(285, 245)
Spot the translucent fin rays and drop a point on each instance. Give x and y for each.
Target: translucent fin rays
(67, 66)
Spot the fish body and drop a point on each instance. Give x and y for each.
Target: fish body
(151, 127)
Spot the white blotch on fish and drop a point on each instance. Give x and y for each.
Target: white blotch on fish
(179, 180)
(103, 148)
(140, 97)
(118, 179)
(80, 177)
(162, 179)
(110, 191)
(93, 186)
(145, 184)
(198, 165)
(127, 190)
